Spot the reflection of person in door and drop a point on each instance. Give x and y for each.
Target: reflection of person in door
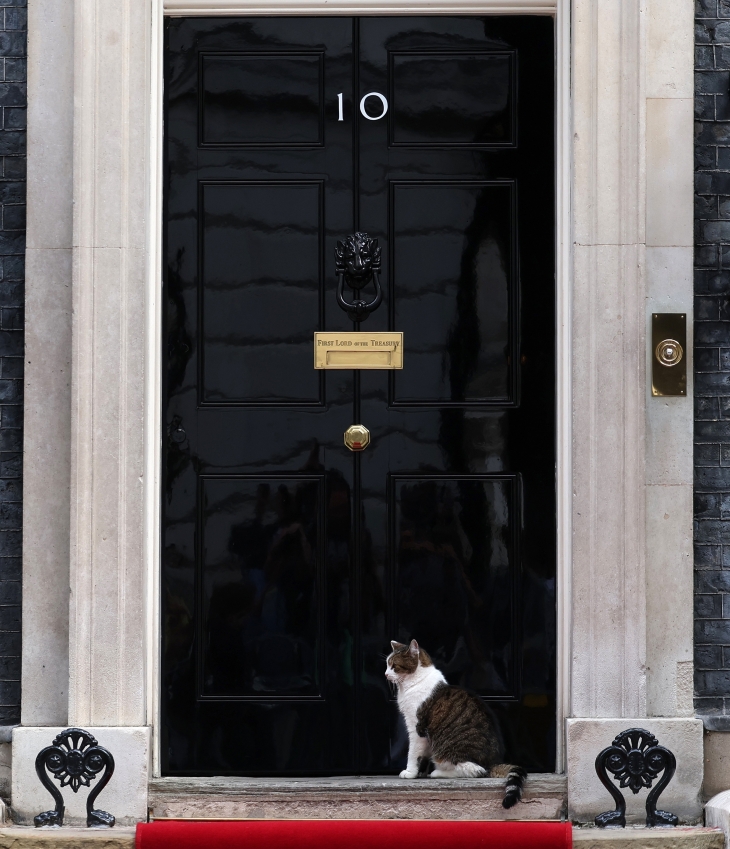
(432, 594)
(289, 570)
(259, 628)
(231, 625)
(445, 578)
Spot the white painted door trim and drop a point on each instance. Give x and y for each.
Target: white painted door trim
(560, 9)
(359, 7)
(153, 394)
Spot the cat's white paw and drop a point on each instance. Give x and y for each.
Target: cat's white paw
(468, 769)
(408, 773)
(441, 773)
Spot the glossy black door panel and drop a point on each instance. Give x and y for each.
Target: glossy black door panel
(262, 572)
(471, 274)
(261, 291)
(262, 100)
(456, 574)
(454, 291)
(289, 562)
(257, 495)
(452, 98)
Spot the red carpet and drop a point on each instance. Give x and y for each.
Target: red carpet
(353, 834)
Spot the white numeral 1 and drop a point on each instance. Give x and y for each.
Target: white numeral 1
(341, 112)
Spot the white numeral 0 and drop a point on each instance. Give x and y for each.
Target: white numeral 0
(382, 100)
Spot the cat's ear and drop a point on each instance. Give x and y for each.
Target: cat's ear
(396, 645)
(413, 648)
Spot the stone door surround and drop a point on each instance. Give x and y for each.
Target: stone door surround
(92, 436)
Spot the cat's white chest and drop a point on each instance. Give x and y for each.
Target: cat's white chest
(415, 691)
(408, 706)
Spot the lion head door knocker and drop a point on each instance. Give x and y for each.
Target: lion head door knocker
(74, 759)
(635, 759)
(357, 262)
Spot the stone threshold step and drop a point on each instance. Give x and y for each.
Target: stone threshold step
(354, 798)
(648, 838)
(18, 837)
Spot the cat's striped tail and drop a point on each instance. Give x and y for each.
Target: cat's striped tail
(515, 782)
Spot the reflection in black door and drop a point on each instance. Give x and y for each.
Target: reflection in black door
(288, 562)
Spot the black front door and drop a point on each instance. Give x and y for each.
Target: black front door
(288, 561)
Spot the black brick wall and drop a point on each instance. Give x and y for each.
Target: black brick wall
(13, 31)
(712, 357)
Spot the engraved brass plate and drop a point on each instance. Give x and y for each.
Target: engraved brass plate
(668, 354)
(358, 350)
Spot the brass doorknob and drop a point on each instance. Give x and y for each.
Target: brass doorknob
(357, 437)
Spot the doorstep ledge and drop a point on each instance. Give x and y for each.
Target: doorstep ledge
(353, 797)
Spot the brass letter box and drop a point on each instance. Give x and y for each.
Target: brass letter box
(358, 350)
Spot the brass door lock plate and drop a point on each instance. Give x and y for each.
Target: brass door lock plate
(357, 437)
(669, 354)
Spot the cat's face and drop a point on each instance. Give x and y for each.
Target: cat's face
(404, 660)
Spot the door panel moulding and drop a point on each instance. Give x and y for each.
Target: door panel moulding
(370, 7)
(561, 11)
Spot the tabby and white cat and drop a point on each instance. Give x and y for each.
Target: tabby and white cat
(446, 725)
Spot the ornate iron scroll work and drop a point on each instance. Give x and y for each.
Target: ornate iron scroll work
(357, 262)
(75, 759)
(635, 759)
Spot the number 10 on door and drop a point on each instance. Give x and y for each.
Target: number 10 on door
(363, 101)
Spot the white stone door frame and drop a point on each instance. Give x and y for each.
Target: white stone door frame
(92, 442)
